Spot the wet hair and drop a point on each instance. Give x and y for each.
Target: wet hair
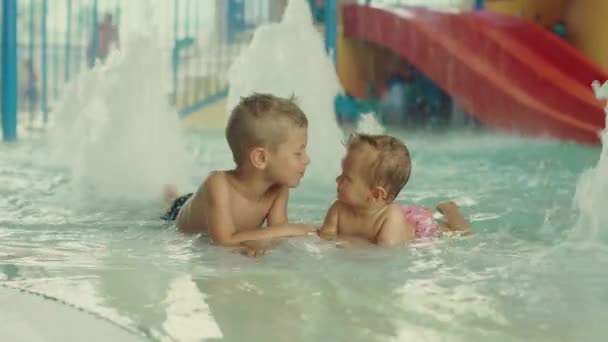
(390, 166)
(261, 120)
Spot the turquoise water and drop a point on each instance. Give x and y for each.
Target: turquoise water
(519, 277)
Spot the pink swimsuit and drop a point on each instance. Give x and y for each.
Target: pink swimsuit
(422, 219)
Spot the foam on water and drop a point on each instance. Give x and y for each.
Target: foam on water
(114, 128)
(289, 58)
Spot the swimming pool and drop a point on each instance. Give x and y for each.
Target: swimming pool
(80, 205)
(524, 275)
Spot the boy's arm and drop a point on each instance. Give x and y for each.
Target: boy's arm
(395, 229)
(278, 212)
(220, 224)
(329, 229)
(277, 215)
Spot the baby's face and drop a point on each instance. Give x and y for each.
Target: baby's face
(353, 188)
(289, 161)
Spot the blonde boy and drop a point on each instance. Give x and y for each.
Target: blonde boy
(374, 170)
(268, 137)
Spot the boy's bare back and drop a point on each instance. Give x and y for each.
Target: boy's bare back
(217, 199)
(230, 217)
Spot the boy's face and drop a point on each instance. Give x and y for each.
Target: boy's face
(289, 160)
(353, 189)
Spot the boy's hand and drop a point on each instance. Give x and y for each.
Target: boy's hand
(254, 249)
(327, 234)
(352, 241)
(303, 229)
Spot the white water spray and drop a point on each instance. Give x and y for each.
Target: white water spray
(114, 128)
(289, 58)
(368, 124)
(592, 189)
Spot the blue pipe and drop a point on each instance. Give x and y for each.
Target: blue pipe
(9, 70)
(81, 34)
(260, 19)
(95, 42)
(68, 43)
(44, 98)
(331, 28)
(175, 58)
(31, 33)
(187, 33)
(203, 103)
(235, 19)
(197, 18)
(31, 102)
(117, 13)
(187, 20)
(55, 45)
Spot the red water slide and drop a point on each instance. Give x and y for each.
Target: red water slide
(510, 73)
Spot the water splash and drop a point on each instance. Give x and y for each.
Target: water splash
(592, 190)
(368, 124)
(289, 58)
(114, 128)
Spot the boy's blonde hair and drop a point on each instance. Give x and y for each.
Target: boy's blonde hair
(390, 166)
(261, 120)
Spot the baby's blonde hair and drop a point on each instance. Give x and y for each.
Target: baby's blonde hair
(390, 166)
(261, 120)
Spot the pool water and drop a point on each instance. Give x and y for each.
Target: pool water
(80, 209)
(525, 274)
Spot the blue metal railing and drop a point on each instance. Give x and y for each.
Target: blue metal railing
(9, 71)
(209, 82)
(45, 55)
(46, 43)
(43, 34)
(201, 66)
(68, 42)
(95, 40)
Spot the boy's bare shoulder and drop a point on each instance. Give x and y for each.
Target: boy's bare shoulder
(219, 185)
(216, 182)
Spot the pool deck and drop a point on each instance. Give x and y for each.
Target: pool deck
(33, 318)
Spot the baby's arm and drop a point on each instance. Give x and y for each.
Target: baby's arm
(329, 229)
(220, 224)
(394, 229)
(455, 220)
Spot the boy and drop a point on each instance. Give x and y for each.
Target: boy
(267, 136)
(374, 171)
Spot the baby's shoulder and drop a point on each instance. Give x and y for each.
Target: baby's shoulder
(393, 209)
(393, 215)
